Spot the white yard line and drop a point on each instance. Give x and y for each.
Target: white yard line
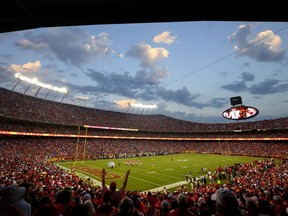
(167, 186)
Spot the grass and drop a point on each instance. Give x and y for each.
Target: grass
(166, 170)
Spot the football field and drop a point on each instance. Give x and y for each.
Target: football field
(150, 173)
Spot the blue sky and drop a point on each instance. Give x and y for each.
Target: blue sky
(190, 70)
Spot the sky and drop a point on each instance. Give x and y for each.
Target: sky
(185, 70)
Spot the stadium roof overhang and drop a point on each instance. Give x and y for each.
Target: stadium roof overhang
(29, 14)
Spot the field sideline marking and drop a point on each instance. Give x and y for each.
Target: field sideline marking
(166, 186)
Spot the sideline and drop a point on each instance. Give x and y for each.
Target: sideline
(167, 186)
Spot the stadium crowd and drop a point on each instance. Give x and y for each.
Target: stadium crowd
(24, 107)
(32, 185)
(54, 189)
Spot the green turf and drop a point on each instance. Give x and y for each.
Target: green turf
(167, 169)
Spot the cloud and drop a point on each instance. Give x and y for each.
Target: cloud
(69, 44)
(147, 55)
(128, 86)
(237, 86)
(149, 58)
(113, 83)
(239, 38)
(122, 104)
(180, 96)
(99, 45)
(29, 44)
(151, 77)
(6, 77)
(28, 67)
(246, 76)
(82, 97)
(165, 37)
(265, 47)
(218, 102)
(269, 86)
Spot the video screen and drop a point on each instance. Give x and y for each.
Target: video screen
(240, 112)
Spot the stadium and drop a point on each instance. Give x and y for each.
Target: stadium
(63, 159)
(51, 150)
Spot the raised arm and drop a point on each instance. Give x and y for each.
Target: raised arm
(104, 187)
(126, 180)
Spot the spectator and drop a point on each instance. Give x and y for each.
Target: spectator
(251, 208)
(45, 208)
(138, 204)
(21, 203)
(265, 208)
(79, 210)
(106, 208)
(64, 202)
(227, 203)
(126, 208)
(89, 207)
(9, 195)
(165, 208)
(116, 196)
(278, 206)
(183, 207)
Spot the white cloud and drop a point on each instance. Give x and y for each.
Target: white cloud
(28, 67)
(165, 38)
